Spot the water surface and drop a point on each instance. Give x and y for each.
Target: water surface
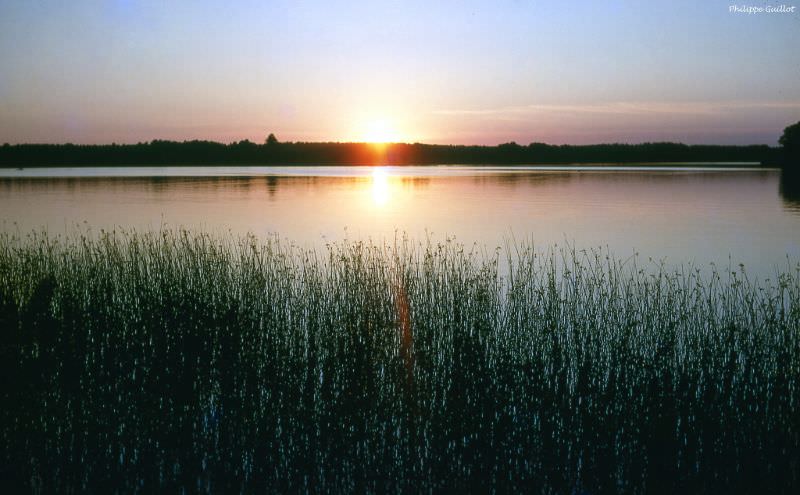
(693, 215)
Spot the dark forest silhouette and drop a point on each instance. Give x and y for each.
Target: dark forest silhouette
(790, 154)
(161, 152)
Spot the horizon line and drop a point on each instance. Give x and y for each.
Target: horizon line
(374, 143)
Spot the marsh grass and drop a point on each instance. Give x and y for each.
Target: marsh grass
(180, 361)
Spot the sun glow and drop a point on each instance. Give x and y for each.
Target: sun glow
(379, 131)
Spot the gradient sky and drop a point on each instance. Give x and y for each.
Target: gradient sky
(431, 71)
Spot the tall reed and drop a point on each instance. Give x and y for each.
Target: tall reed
(182, 361)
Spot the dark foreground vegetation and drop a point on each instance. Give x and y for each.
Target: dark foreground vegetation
(273, 152)
(178, 361)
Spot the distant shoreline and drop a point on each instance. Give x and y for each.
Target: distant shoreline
(169, 171)
(246, 153)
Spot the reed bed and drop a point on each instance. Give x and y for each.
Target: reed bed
(182, 362)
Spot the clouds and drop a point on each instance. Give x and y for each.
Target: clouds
(724, 122)
(624, 108)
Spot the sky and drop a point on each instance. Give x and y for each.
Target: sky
(433, 71)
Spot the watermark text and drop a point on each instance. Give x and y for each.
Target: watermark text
(763, 9)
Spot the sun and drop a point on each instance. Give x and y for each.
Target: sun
(379, 131)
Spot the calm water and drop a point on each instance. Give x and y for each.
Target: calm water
(698, 215)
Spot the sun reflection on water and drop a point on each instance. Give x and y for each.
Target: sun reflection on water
(381, 192)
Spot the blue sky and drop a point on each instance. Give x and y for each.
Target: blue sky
(432, 71)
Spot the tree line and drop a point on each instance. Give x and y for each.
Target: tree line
(245, 152)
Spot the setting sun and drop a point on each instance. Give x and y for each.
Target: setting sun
(379, 131)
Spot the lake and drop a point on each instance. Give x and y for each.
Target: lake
(152, 363)
(695, 215)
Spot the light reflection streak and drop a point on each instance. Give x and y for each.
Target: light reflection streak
(381, 192)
